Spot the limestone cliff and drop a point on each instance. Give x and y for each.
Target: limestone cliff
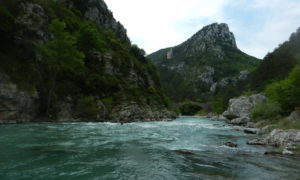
(70, 60)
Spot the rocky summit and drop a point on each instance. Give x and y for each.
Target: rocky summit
(203, 65)
(212, 39)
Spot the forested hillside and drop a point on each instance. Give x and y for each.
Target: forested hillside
(73, 61)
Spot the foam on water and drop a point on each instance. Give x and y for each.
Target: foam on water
(187, 148)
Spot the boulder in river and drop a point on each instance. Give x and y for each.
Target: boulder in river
(219, 118)
(243, 105)
(260, 142)
(240, 121)
(250, 130)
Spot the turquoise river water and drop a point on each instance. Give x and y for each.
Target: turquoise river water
(187, 148)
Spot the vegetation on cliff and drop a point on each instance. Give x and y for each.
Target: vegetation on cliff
(51, 48)
(206, 68)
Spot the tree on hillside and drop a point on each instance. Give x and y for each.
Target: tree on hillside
(59, 55)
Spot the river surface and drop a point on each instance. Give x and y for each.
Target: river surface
(187, 148)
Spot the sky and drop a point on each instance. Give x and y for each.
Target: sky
(259, 26)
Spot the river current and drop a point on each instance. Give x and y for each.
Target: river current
(187, 148)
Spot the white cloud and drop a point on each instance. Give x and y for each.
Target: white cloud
(281, 19)
(156, 24)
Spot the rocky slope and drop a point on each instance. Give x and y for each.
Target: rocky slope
(287, 141)
(201, 66)
(71, 60)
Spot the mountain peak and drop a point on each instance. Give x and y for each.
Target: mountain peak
(212, 37)
(218, 34)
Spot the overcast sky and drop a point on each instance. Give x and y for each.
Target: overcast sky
(258, 25)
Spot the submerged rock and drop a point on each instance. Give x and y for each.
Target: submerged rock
(184, 152)
(273, 152)
(230, 144)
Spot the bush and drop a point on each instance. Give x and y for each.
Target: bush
(89, 38)
(218, 104)
(202, 112)
(286, 92)
(87, 107)
(265, 111)
(287, 124)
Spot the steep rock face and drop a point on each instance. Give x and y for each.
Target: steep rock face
(203, 65)
(97, 11)
(16, 105)
(32, 21)
(115, 83)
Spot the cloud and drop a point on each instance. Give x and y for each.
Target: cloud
(259, 25)
(276, 21)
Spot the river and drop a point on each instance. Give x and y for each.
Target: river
(187, 148)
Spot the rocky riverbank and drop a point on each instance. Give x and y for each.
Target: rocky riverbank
(238, 113)
(17, 106)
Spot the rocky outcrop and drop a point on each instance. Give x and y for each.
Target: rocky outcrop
(295, 115)
(210, 38)
(240, 108)
(97, 11)
(132, 112)
(288, 140)
(280, 137)
(32, 22)
(16, 106)
(208, 76)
